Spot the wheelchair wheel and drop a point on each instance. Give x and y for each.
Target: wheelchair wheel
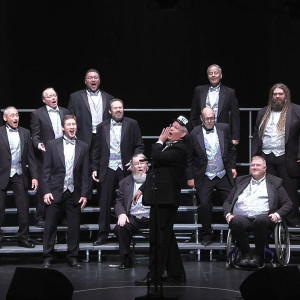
(282, 243)
(232, 252)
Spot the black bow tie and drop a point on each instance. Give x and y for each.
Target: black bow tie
(53, 110)
(72, 142)
(210, 131)
(117, 123)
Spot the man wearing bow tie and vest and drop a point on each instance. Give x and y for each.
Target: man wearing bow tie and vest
(117, 140)
(45, 125)
(90, 107)
(17, 165)
(221, 99)
(65, 187)
(211, 165)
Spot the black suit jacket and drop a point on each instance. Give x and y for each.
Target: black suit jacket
(79, 106)
(131, 143)
(41, 126)
(168, 168)
(197, 162)
(124, 196)
(292, 138)
(27, 157)
(54, 169)
(279, 201)
(228, 104)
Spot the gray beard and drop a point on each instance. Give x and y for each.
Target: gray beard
(139, 178)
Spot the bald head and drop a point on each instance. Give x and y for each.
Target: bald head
(208, 117)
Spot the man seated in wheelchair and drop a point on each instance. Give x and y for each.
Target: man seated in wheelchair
(256, 203)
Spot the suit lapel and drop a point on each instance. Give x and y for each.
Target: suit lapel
(5, 137)
(270, 190)
(203, 96)
(104, 102)
(221, 99)
(200, 138)
(86, 100)
(124, 128)
(77, 153)
(288, 123)
(221, 139)
(60, 150)
(22, 139)
(107, 132)
(129, 193)
(47, 117)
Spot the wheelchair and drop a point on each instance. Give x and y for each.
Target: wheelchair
(281, 240)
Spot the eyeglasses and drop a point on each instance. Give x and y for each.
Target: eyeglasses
(92, 77)
(208, 119)
(51, 96)
(140, 163)
(176, 127)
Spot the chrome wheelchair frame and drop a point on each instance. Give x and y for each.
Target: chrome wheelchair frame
(281, 244)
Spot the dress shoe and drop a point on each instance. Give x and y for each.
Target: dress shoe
(126, 263)
(47, 263)
(147, 280)
(244, 261)
(206, 240)
(100, 241)
(256, 262)
(25, 243)
(40, 223)
(74, 263)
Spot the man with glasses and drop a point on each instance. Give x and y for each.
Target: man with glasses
(132, 215)
(211, 165)
(45, 125)
(90, 106)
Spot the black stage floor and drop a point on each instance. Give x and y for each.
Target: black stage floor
(205, 279)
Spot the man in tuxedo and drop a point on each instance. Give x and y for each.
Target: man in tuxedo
(211, 165)
(276, 137)
(16, 161)
(65, 187)
(90, 106)
(132, 215)
(221, 99)
(257, 202)
(162, 191)
(117, 140)
(45, 125)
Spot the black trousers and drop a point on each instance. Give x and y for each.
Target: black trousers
(164, 251)
(53, 213)
(107, 197)
(21, 199)
(125, 233)
(223, 186)
(276, 166)
(261, 226)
